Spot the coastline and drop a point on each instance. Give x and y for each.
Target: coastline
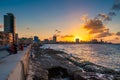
(49, 64)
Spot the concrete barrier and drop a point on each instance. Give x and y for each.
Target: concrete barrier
(22, 67)
(25, 61)
(17, 73)
(15, 67)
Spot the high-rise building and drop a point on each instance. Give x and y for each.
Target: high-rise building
(77, 40)
(54, 39)
(36, 39)
(9, 24)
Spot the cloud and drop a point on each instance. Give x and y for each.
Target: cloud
(27, 28)
(104, 34)
(118, 33)
(104, 17)
(96, 27)
(1, 25)
(112, 14)
(57, 35)
(116, 38)
(84, 18)
(58, 31)
(67, 36)
(116, 5)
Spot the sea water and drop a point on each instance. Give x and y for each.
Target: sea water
(107, 55)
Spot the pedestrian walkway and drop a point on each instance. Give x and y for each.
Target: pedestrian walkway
(3, 54)
(8, 63)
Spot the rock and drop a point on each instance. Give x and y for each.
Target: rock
(84, 76)
(49, 64)
(90, 67)
(91, 76)
(99, 69)
(36, 72)
(116, 77)
(57, 72)
(84, 63)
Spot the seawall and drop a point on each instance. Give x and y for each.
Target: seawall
(15, 67)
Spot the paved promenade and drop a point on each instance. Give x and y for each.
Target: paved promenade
(3, 54)
(8, 63)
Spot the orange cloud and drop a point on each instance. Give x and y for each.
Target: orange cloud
(117, 38)
(118, 33)
(96, 27)
(84, 18)
(67, 36)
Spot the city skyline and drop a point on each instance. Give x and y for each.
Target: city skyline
(67, 19)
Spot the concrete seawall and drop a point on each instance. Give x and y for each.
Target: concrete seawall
(15, 67)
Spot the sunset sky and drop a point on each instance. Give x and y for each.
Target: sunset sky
(68, 19)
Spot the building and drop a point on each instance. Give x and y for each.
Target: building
(46, 41)
(25, 40)
(6, 38)
(101, 41)
(36, 39)
(54, 39)
(2, 38)
(16, 38)
(9, 24)
(9, 38)
(77, 40)
(94, 41)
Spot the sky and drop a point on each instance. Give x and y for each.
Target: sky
(68, 19)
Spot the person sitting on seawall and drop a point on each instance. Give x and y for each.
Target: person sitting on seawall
(8, 49)
(32, 52)
(13, 49)
(21, 47)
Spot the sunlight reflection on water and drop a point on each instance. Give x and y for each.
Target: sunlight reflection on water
(107, 55)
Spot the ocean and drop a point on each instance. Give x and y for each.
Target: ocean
(107, 55)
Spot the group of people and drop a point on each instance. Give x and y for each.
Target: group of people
(13, 48)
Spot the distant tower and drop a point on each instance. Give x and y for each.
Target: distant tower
(77, 40)
(101, 41)
(9, 24)
(36, 39)
(54, 39)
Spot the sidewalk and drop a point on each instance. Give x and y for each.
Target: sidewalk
(3, 54)
(8, 64)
